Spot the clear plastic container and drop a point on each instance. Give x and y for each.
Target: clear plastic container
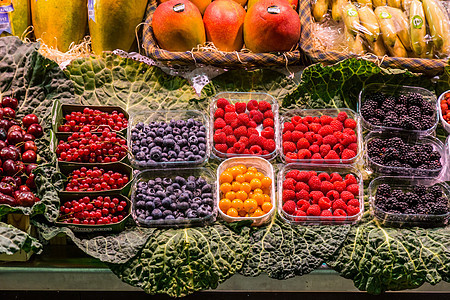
(261, 165)
(407, 220)
(332, 112)
(411, 140)
(445, 124)
(234, 97)
(320, 220)
(396, 90)
(145, 176)
(166, 116)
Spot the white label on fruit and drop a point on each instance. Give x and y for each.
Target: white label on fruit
(5, 23)
(178, 7)
(352, 12)
(274, 10)
(385, 15)
(91, 11)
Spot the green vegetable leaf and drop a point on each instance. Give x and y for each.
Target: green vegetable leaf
(13, 240)
(283, 251)
(179, 262)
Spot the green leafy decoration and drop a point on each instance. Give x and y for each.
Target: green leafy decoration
(13, 240)
(179, 262)
(283, 251)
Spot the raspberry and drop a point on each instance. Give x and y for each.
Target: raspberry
(302, 144)
(316, 156)
(313, 210)
(222, 102)
(288, 195)
(303, 205)
(292, 174)
(309, 136)
(268, 114)
(251, 131)
(231, 150)
(268, 123)
(325, 120)
(291, 156)
(339, 204)
(315, 127)
(252, 124)
(353, 147)
(289, 207)
(231, 140)
(289, 147)
(324, 149)
(342, 116)
(330, 140)
(304, 154)
(260, 141)
(354, 189)
(348, 154)
(338, 148)
(220, 138)
(240, 147)
(243, 118)
(221, 148)
(301, 186)
(299, 214)
(302, 195)
(339, 213)
(230, 108)
(287, 136)
(324, 176)
(289, 184)
(228, 130)
(252, 105)
(352, 210)
(326, 186)
(353, 202)
(219, 123)
(255, 150)
(324, 203)
(244, 140)
(307, 119)
(332, 155)
(325, 130)
(335, 177)
(336, 125)
(269, 145)
(350, 123)
(234, 124)
(316, 195)
(240, 107)
(256, 116)
(346, 139)
(296, 120)
(350, 179)
(230, 117)
(268, 133)
(326, 213)
(314, 149)
(219, 113)
(339, 186)
(264, 106)
(338, 135)
(333, 195)
(265, 152)
(303, 176)
(317, 139)
(297, 135)
(288, 126)
(240, 131)
(346, 196)
(301, 127)
(315, 183)
(246, 151)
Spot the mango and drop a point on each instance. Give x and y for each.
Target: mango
(224, 24)
(20, 18)
(59, 23)
(202, 5)
(241, 2)
(271, 26)
(114, 23)
(178, 26)
(293, 3)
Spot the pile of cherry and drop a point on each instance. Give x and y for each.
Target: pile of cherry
(18, 155)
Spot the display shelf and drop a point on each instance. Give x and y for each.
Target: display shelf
(66, 268)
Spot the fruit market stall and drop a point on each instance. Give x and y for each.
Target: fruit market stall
(114, 169)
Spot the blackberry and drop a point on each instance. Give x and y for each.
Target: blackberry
(442, 200)
(377, 160)
(399, 195)
(410, 211)
(401, 109)
(379, 114)
(427, 122)
(402, 99)
(391, 154)
(420, 190)
(400, 206)
(407, 122)
(414, 112)
(388, 104)
(394, 163)
(377, 97)
(434, 165)
(426, 199)
(438, 208)
(435, 190)
(374, 152)
(375, 121)
(391, 121)
(395, 142)
(412, 199)
(383, 190)
(412, 159)
(435, 156)
(380, 201)
(415, 99)
(376, 143)
(426, 148)
(422, 209)
(427, 108)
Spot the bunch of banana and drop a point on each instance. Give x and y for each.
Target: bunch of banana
(320, 9)
(439, 25)
(401, 26)
(371, 30)
(353, 29)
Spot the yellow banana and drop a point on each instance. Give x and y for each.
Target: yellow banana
(351, 18)
(387, 26)
(320, 8)
(365, 3)
(369, 23)
(398, 50)
(336, 9)
(401, 26)
(377, 48)
(377, 3)
(417, 27)
(394, 3)
(355, 43)
(438, 23)
(406, 4)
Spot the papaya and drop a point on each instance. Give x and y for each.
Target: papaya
(20, 17)
(59, 23)
(113, 23)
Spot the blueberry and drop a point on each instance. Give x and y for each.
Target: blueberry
(180, 180)
(156, 156)
(194, 149)
(149, 140)
(140, 125)
(157, 214)
(197, 193)
(201, 154)
(207, 195)
(173, 206)
(180, 123)
(164, 159)
(197, 200)
(172, 155)
(134, 136)
(163, 124)
(176, 131)
(167, 181)
(194, 129)
(184, 197)
(149, 205)
(151, 183)
(190, 123)
(181, 154)
(142, 185)
(185, 149)
(144, 143)
(175, 185)
(140, 155)
(140, 203)
(170, 143)
(201, 134)
(170, 217)
(198, 123)
(158, 141)
(182, 206)
(151, 145)
(145, 150)
(208, 201)
(192, 157)
(158, 180)
(173, 197)
(142, 135)
(158, 187)
(206, 188)
(135, 149)
(185, 135)
(202, 147)
(201, 140)
(164, 155)
(152, 135)
(140, 197)
(167, 212)
(168, 130)
(195, 205)
(191, 215)
(157, 202)
(160, 194)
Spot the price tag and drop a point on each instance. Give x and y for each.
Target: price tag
(178, 7)
(274, 10)
(91, 11)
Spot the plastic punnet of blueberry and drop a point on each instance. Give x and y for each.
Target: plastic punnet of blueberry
(175, 141)
(173, 199)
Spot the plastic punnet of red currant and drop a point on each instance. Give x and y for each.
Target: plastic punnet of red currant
(95, 179)
(94, 120)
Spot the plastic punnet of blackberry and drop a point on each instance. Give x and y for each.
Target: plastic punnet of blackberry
(383, 190)
(435, 190)
(411, 159)
(414, 112)
(415, 99)
(388, 104)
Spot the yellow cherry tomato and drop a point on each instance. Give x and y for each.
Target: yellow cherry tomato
(242, 167)
(266, 191)
(240, 178)
(266, 182)
(250, 195)
(249, 176)
(266, 207)
(235, 171)
(267, 198)
(230, 195)
(245, 186)
(226, 177)
(243, 213)
(241, 195)
(250, 205)
(232, 212)
(258, 191)
(259, 198)
(237, 204)
(225, 187)
(259, 175)
(258, 213)
(255, 183)
(224, 204)
(252, 169)
(236, 186)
